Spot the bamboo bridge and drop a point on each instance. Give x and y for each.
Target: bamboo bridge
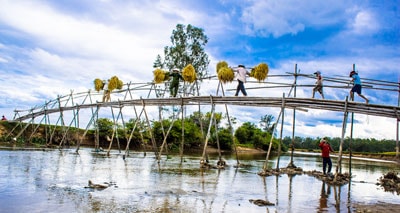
(67, 106)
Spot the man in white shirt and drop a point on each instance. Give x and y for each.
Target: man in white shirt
(241, 77)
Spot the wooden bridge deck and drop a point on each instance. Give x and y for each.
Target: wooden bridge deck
(288, 103)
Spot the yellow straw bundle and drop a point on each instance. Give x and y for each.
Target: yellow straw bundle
(98, 84)
(189, 74)
(221, 64)
(225, 74)
(115, 83)
(160, 76)
(260, 72)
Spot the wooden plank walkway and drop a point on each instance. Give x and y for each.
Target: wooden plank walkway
(289, 103)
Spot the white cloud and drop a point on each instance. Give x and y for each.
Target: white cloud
(277, 18)
(364, 23)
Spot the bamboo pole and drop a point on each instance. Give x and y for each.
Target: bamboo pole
(281, 133)
(208, 132)
(133, 130)
(230, 127)
(397, 123)
(291, 164)
(166, 135)
(87, 129)
(149, 129)
(339, 162)
(182, 132)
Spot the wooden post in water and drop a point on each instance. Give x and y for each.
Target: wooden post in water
(351, 133)
(209, 130)
(153, 141)
(230, 125)
(345, 115)
(183, 130)
(291, 164)
(397, 124)
(280, 137)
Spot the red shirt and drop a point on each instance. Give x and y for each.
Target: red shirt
(326, 148)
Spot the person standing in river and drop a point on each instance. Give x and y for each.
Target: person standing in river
(326, 159)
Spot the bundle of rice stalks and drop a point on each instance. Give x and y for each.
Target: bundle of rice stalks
(189, 74)
(160, 76)
(115, 83)
(226, 74)
(98, 84)
(260, 72)
(221, 64)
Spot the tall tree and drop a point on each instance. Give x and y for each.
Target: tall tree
(158, 63)
(266, 123)
(187, 47)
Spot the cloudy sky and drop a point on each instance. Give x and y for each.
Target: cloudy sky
(52, 47)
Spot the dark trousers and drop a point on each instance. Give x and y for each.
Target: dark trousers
(240, 87)
(326, 161)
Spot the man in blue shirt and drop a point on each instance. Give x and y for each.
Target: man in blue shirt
(357, 86)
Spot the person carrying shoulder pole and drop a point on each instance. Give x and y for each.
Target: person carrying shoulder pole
(318, 85)
(357, 86)
(241, 78)
(174, 86)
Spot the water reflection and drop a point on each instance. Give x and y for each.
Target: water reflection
(323, 201)
(54, 181)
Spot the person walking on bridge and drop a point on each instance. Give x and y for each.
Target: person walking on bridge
(357, 86)
(174, 85)
(326, 159)
(241, 78)
(107, 92)
(318, 85)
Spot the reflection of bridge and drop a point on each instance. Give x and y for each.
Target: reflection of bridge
(66, 108)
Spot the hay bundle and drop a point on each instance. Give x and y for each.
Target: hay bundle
(115, 83)
(160, 76)
(189, 74)
(221, 64)
(225, 74)
(260, 72)
(98, 84)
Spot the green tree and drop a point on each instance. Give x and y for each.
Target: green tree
(105, 126)
(266, 123)
(158, 63)
(188, 44)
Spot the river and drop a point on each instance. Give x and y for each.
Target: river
(57, 180)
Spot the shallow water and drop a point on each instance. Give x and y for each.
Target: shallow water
(55, 181)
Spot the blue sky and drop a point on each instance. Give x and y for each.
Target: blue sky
(50, 47)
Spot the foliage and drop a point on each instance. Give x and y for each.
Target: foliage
(225, 139)
(105, 126)
(356, 145)
(187, 48)
(266, 123)
(174, 138)
(248, 133)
